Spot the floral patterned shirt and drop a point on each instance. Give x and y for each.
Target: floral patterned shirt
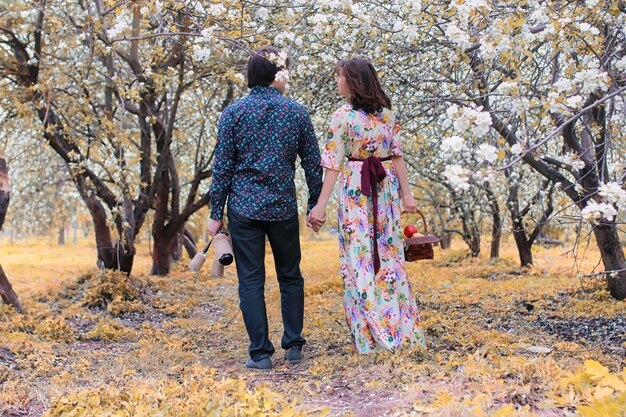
(259, 139)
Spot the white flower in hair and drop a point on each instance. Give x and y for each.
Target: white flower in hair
(282, 75)
(280, 59)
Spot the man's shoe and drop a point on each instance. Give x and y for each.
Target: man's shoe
(294, 355)
(265, 364)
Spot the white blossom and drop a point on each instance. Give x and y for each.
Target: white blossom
(621, 64)
(216, 9)
(487, 153)
(457, 176)
(517, 149)
(574, 101)
(574, 160)
(462, 123)
(563, 84)
(578, 188)
(482, 123)
(452, 111)
(452, 144)
(206, 33)
(612, 192)
(458, 36)
(201, 53)
(591, 80)
(263, 13)
(118, 28)
(594, 211)
(578, 164)
(520, 105)
(586, 27)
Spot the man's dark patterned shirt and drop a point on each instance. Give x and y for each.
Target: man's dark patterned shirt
(259, 139)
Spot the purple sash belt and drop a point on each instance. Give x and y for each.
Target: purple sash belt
(372, 172)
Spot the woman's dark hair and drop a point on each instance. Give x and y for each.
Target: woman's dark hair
(361, 78)
(261, 71)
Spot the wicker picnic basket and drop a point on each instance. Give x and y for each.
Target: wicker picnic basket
(420, 247)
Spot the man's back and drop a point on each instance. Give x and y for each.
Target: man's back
(259, 139)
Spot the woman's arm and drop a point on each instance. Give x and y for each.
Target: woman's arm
(405, 189)
(317, 216)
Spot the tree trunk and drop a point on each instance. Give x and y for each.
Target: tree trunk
(7, 293)
(446, 240)
(177, 248)
(5, 190)
(162, 250)
(612, 257)
(474, 245)
(61, 236)
(164, 241)
(189, 243)
(496, 230)
(6, 290)
(471, 235)
(524, 247)
(109, 256)
(496, 237)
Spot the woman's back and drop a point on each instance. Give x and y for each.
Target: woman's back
(367, 134)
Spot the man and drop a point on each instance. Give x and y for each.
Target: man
(259, 138)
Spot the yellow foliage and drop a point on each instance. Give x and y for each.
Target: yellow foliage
(104, 287)
(506, 411)
(595, 370)
(55, 328)
(615, 407)
(189, 361)
(110, 330)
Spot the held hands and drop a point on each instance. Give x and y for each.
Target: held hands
(214, 226)
(410, 206)
(316, 218)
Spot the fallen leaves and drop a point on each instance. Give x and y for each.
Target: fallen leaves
(175, 346)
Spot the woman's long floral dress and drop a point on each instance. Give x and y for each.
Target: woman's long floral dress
(380, 308)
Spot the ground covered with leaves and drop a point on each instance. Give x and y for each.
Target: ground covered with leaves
(502, 341)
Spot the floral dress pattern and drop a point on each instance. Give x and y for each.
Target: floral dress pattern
(380, 308)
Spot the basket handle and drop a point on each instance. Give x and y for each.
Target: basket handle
(423, 220)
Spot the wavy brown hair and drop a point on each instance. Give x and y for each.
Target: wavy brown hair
(367, 93)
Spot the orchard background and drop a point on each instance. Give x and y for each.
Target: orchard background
(513, 130)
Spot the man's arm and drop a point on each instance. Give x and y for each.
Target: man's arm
(223, 165)
(310, 159)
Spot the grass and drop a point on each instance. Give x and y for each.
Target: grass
(502, 341)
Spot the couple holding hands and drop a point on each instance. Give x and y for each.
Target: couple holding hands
(259, 140)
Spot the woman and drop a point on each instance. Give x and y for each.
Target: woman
(363, 144)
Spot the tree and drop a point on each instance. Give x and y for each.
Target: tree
(6, 290)
(540, 204)
(108, 100)
(552, 98)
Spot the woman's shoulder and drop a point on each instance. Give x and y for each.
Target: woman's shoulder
(343, 111)
(389, 116)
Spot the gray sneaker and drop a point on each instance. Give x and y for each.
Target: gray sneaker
(294, 355)
(264, 364)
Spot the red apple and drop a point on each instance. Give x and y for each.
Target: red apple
(409, 230)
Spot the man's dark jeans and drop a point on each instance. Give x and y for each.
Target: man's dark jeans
(248, 238)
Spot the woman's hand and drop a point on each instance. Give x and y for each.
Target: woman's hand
(410, 206)
(316, 217)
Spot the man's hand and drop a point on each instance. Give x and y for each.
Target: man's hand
(316, 218)
(214, 226)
